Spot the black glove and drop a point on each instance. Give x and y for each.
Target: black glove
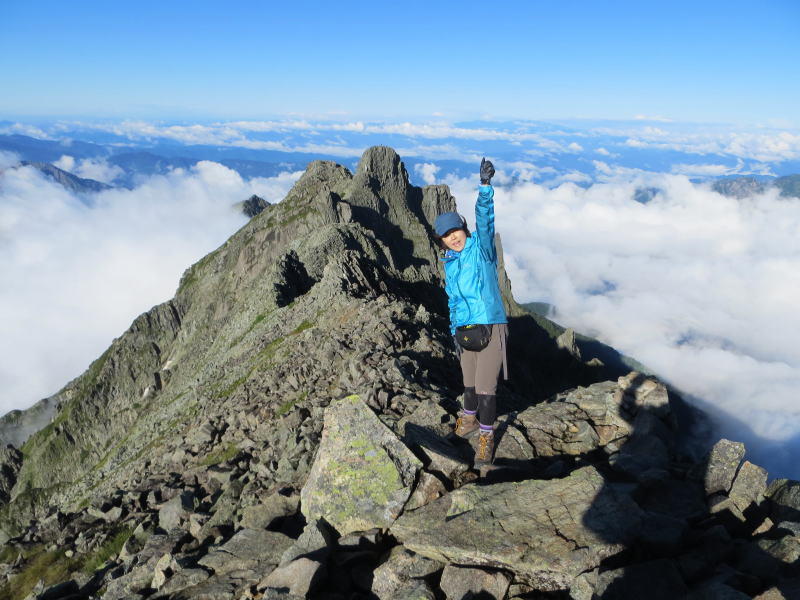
(487, 171)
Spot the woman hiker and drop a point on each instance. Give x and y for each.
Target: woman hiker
(477, 317)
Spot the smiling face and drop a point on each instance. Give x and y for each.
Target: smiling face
(455, 239)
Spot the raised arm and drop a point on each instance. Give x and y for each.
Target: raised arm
(484, 213)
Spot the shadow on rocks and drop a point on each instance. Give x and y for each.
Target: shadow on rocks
(706, 527)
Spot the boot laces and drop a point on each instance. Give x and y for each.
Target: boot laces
(461, 424)
(484, 446)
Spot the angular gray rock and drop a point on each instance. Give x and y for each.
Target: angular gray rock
(362, 474)
(130, 583)
(317, 539)
(785, 496)
(646, 392)
(645, 458)
(440, 455)
(464, 582)
(300, 577)
(261, 515)
(183, 579)
(545, 532)
(566, 341)
(749, 486)
(578, 421)
(247, 549)
(723, 464)
(401, 572)
(428, 489)
(173, 512)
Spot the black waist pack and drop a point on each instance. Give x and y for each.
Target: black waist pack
(474, 337)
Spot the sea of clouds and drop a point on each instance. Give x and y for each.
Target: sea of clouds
(701, 288)
(75, 274)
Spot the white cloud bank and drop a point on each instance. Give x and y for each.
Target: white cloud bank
(87, 168)
(701, 288)
(427, 171)
(72, 278)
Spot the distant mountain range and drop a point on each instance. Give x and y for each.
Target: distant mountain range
(738, 187)
(135, 164)
(72, 182)
(160, 158)
(742, 187)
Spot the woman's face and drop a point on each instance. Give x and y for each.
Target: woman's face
(455, 239)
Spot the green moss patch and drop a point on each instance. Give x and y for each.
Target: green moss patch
(106, 551)
(302, 327)
(220, 455)
(290, 404)
(259, 318)
(232, 387)
(51, 566)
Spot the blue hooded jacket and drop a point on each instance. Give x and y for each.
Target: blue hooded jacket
(471, 275)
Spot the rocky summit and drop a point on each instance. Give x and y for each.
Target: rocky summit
(279, 429)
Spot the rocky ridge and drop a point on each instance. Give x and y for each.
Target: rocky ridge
(279, 430)
(71, 182)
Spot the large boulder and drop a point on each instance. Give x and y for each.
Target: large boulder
(586, 418)
(362, 474)
(545, 532)
(723, 465)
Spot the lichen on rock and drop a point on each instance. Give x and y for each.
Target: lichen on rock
(362, 474)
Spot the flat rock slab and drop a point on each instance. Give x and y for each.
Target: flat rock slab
(545, 532)
(248, 549)
(362, 474)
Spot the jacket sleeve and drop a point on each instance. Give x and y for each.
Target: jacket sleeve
(484, 222)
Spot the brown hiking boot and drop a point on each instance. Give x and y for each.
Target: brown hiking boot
(466, 426)
(483, 457)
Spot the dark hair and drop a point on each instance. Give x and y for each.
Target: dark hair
(440, 240)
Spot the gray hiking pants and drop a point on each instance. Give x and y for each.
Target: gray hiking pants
(480, 369)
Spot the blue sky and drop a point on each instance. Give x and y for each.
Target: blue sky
(728, 61)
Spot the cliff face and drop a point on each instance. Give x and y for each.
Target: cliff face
(282, 422)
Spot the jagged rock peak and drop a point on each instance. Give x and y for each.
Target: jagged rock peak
(384, 164)
(318, 175)
(253, 205)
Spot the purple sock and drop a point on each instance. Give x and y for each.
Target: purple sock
(486, 428)
(470, 412)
